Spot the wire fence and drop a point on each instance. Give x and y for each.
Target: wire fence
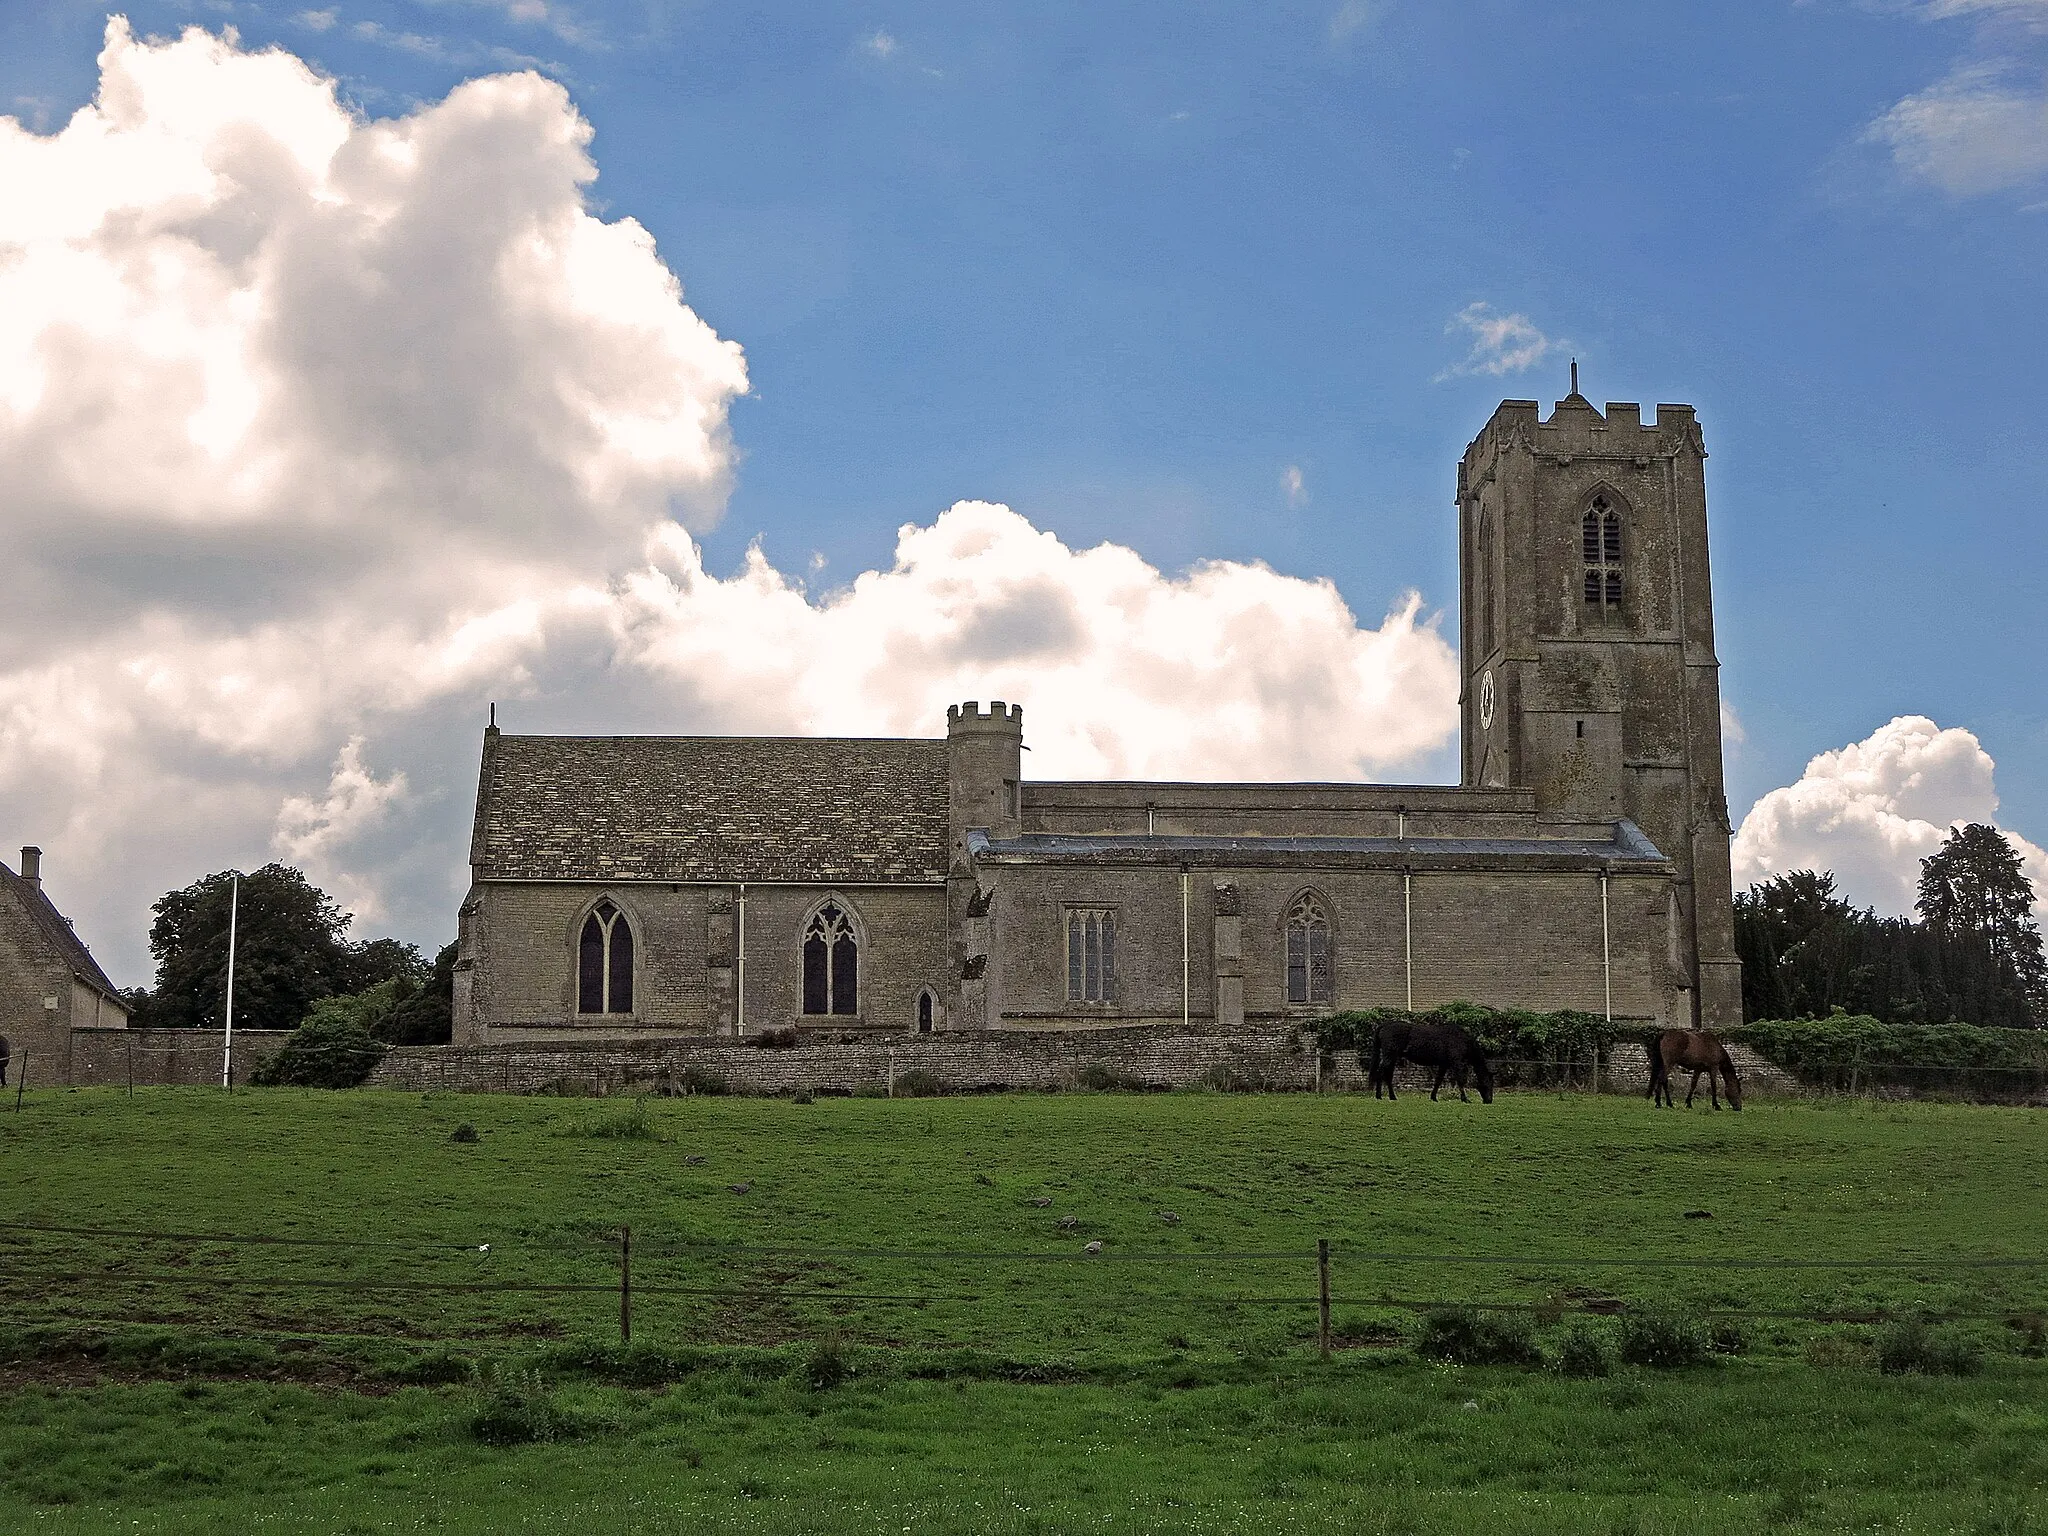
(1300, 1285)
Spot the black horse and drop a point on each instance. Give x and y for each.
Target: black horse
(1453, 1052)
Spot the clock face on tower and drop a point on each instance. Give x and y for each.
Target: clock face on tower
(1486, 700)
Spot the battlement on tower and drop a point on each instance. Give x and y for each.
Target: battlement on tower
(1577, 429)
(1007, 718)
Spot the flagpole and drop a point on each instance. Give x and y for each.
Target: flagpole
(227, 1047)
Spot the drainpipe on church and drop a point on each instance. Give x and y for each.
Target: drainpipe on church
(1606, 952)
(739, 1023)
(1408, 932)
(1183, 946)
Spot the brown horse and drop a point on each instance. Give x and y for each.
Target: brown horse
(1696, 1051)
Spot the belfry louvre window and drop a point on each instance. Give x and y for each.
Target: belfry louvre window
(1308, 952)
(831, 963)
(1600, 549)
(1091, 955)
(604, 962)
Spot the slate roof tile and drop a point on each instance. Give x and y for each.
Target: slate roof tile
(711, 808)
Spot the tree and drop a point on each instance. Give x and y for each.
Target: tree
(290, 953)
(1974, 888)
(1807, 953)
(427, 1016)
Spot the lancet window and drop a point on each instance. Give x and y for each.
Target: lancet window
(604, 962)
(1600, 551)
(1309, 971)
(831, 962)
(1091, 955)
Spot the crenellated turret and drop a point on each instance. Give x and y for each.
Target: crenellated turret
(984, 751)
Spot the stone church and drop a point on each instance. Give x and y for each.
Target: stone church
(720, 886)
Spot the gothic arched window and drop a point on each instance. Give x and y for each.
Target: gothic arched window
(831, 962)
(924, 1011)
(1309, 978)
(604, 962)
(1600, 552)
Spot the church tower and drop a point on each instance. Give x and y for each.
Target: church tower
(1588, 644)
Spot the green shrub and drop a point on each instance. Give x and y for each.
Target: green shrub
(1663, 1340)
(1848, 1051)
(694, 1079)
(1837, 1351)
(1528, 1049)
(329, 1050)
(436, 1367)
(513, 1406)
(920, 1083)
(1914, 1347)
(1462, 1336)
(1099, 1077)
(634, 1123)
(1233, 1077)
(1584, 1348)
(827, 1366)
(1726, 1336)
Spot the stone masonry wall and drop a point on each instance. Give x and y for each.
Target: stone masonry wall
(1153, 1056)
(164, 1057)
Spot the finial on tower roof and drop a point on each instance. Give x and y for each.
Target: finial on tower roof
(1575, 375)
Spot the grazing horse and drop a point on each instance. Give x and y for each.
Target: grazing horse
(1696, 1051)
(1446, 1047)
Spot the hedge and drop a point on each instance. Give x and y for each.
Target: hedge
(1841, 1053)
(1851, 1051)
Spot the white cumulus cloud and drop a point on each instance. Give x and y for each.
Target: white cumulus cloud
(1871, 811)
(1977, 130)
(318, 432)
(1500, 344)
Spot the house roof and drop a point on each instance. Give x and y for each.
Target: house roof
(1627, 848)
(56, 928)
(711, 808)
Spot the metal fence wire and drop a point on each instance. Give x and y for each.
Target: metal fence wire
(37, 1257)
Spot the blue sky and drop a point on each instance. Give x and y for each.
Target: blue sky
(1121, 268)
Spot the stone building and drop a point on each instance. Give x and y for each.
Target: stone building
(49, 981)
(722, 886)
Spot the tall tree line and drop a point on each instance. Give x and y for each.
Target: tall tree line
(1974, 953)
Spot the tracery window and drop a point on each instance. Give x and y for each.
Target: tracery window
(1091, 955)
(1600, 549)
(831, 962)
(604, 962)
(1309, 972)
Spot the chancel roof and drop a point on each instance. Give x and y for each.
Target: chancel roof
(711, 808)
(57, 929)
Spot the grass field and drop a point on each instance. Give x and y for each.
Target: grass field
(995, 1376)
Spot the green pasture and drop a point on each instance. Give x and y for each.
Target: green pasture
(867, 1315)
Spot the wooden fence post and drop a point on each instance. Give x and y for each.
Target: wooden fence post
(1323, 1285)
(20, 1082)
(625, 1285)
(131, 1068)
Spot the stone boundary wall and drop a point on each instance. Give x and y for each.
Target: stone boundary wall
(1147, 1056)
(165, 1058)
